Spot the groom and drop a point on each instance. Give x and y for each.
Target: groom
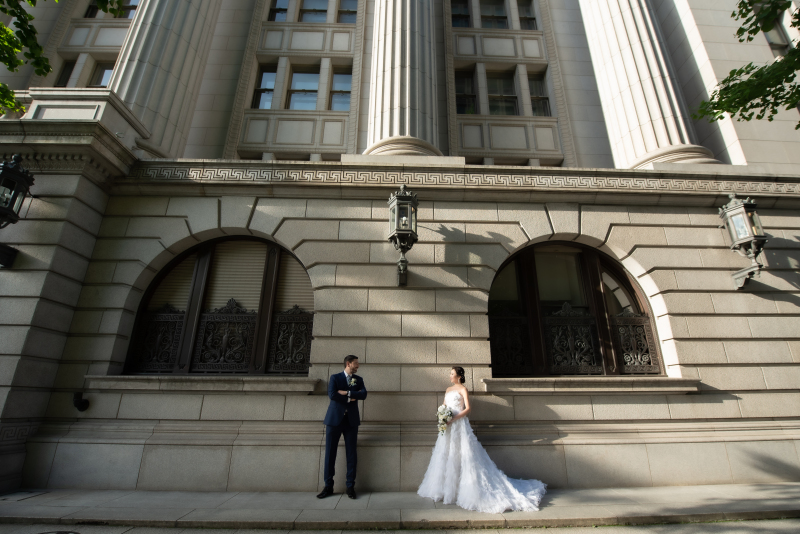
(345, 390)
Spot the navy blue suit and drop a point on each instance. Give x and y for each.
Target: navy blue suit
(342, 419)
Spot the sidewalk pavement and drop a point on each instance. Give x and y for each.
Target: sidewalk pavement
(392, 510)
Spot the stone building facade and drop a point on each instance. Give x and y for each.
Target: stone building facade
(208, 240)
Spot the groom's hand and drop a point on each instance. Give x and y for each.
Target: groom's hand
(341, 392)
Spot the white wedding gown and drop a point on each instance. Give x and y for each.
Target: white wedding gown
(461, 472)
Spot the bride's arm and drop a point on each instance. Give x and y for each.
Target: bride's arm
(466, 410)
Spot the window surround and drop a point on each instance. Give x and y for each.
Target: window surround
(593, 285)
(184, 352)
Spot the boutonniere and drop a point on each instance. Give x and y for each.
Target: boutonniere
(352, 382)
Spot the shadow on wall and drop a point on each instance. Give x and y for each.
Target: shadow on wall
(781, 259)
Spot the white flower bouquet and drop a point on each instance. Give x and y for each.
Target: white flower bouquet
(444, 416)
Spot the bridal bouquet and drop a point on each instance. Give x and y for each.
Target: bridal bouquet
(443, 415)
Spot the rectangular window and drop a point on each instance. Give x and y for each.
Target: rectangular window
(777, 39)
(92, 10)
(348, 9)
(527, 16)
(314, 11)
(460, 13)
(540, 104)
(466, 101)
(340, 91)
(262, 98)
(303, 90)
(128, 9)
(493, 14)
(102, 75)
(278, 11)
(502, 96)
(66, 74)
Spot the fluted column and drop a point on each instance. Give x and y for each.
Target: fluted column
(402, 99)
(159, 69)
(644, 111)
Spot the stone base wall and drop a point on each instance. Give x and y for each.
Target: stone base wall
(263, 456)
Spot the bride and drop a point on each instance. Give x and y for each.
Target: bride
(461, 471)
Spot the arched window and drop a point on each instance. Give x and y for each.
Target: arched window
(234, 305)
(558, 309)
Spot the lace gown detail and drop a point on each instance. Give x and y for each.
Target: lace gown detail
(461, 472)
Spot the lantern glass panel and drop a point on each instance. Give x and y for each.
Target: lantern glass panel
(392, 219)
(738, 227)
(414, 219)
(755, 223)
(403, 217)
(6, 192)
(18, 202)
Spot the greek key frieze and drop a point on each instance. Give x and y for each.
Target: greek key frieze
(153, 172)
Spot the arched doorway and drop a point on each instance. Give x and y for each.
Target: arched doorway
(232, 305)
(567, 309)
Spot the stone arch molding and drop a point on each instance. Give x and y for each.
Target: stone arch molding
(160, 228)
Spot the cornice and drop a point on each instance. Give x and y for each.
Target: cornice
(459, 182)
(67, 147)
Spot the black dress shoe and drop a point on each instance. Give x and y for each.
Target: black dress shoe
(325, 492)
(351, 492)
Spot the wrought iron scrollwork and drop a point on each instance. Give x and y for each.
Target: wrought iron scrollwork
(158, 341)
(634, 343)
(225, 340)
(290, 342)
(510, 345)
(572, 343)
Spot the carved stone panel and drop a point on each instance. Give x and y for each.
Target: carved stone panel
(225, 340)
(156, 345)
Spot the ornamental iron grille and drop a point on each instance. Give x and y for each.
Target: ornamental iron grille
(156, 350)
(290, 342)
(224, 340)
(560, 308)
(634, 344)
(509, 339)
(572, 344)
(247, 335)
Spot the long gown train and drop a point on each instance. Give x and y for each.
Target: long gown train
(461, 472)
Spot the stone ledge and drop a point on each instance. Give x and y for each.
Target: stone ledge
(271, 384)
(587, 385)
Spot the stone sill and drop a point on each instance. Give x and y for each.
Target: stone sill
(270, 384)
(588, 385)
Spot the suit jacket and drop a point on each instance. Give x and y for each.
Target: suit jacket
(340, 403)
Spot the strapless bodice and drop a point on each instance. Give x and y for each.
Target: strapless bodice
(454, 401)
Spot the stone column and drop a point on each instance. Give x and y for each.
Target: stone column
(402, 98)
(160, 66)
(643, 107)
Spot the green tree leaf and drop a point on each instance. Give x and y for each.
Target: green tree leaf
(757, 91)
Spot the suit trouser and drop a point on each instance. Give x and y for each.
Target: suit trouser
(332, 435)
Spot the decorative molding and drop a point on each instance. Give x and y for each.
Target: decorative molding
(56, 37)
(195, 383)
(16, 432)
(463, 177)
(587, 385)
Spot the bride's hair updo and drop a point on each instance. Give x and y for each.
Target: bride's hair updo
(460, 372)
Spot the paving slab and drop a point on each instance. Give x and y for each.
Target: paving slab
(169, 499)
(240, 518)
(174, 512)
(289, 500)
(348, 519)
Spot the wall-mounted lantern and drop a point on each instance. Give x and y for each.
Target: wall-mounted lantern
(15, 185)
(403, 227)
(747, 235)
